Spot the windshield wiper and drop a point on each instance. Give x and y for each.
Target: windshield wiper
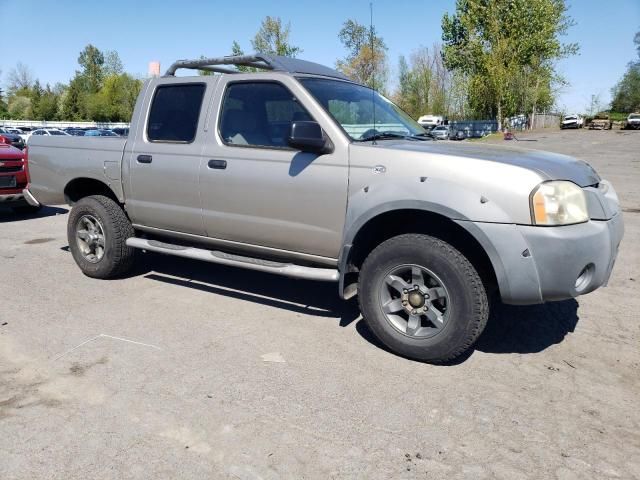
(383, 136)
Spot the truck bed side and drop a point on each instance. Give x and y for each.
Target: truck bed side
(54, 162)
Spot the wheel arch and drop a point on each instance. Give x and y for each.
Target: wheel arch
(387, 221)
(81, 187)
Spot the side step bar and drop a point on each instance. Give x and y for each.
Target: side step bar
(213, 256)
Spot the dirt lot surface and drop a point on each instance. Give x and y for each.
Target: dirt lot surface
(186, 370)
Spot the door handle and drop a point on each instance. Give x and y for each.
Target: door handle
(217, 164)
(145, 158)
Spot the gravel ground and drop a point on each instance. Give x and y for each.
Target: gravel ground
(185, 370)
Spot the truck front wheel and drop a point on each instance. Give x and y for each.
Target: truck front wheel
(97, 232)
(422, 298)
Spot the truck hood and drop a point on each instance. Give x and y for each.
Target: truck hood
(551, 166)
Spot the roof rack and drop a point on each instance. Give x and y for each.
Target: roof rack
(257, 60)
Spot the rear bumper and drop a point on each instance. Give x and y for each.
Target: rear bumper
(538, 264)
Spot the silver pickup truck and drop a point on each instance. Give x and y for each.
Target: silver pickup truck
(296, 170)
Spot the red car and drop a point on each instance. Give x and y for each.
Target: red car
(14, 178)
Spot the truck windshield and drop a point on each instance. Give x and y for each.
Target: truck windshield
(352, 106)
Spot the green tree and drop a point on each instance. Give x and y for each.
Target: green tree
(48, 105)
(74, 103)
(36, 95)
(273, 38)
(91, 60)
(626, 93)
(424, 84)
(508, 50)
(20, 107)
(112, 64)
(363, 63)
(116, 99)
(3, 105)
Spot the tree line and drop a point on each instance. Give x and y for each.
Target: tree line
(99, 91)
(497, 59)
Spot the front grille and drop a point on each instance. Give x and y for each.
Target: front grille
(11, 169)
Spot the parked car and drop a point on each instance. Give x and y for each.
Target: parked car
(24, 132)
(100, 133)
(572, 121)
(421, 231)
(76, 132)
(14, 180)
(430, 121)
(14, 130)
(633, 121)
(123, 132)
(441, 132)
(13, 139)
(47, 132)
(600, 122)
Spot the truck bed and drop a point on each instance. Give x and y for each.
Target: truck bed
(56, 160)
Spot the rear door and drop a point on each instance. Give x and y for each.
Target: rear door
(164, 158)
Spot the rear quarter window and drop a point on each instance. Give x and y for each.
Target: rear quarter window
(174, 113)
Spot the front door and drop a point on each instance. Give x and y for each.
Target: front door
(257, 190)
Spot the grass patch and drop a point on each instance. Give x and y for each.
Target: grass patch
(491, 136)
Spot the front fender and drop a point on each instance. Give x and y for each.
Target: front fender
(484, 220)
(419, 193)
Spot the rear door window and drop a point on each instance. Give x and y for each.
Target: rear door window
(174, 113)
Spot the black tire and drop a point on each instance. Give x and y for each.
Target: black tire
(26, 209)
(468, 299)
(117, 258)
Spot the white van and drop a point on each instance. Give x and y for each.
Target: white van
(430, 121)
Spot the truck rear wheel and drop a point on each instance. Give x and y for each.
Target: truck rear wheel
(422, 298)
(97, 232)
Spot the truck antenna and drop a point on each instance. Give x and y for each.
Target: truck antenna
(373, 70)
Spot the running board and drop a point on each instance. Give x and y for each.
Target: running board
(214, 256)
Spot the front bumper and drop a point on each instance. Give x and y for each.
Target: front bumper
(29, 198)
(535, 264)
(11, 199)
(18, 197)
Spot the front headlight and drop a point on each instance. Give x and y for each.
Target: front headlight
(558, 203)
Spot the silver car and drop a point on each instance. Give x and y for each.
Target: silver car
(441, 132)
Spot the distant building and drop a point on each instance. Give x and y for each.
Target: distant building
(154, 69)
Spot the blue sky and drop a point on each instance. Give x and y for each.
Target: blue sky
(47, 35)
